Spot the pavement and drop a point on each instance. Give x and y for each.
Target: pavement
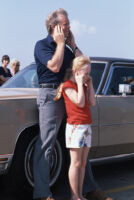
(115, 177)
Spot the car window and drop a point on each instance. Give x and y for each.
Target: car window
(26, 78)
(120, 75)
(97, 70)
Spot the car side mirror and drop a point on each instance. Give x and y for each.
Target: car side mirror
(124, 89)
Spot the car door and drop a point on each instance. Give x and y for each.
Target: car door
(18, 107)
(97, 71)
(116, 113)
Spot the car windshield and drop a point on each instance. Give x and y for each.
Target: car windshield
(97, 70)
(25, 78)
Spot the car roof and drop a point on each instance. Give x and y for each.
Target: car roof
(103, 59)
(112, 59)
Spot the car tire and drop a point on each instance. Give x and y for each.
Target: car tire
(19, 177)
(56, 162)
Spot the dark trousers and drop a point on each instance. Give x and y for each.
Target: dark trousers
(51, 115)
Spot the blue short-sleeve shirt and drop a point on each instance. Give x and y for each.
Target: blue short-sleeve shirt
(43, 52)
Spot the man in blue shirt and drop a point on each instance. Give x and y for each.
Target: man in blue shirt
(53, 55)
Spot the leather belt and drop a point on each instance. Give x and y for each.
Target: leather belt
(49, 85)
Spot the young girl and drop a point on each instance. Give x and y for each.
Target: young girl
(78, 94)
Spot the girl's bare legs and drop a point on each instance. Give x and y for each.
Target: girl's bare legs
(74, 171)
(84, 155)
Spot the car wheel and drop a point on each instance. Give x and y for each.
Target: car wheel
(55, 167)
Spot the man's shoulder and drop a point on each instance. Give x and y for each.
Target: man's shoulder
(41, 42)
(45, 43)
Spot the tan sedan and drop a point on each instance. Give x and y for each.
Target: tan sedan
(113, 119)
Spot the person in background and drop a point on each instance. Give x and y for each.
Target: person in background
(15, 66)
(53, 55)
(5, 73)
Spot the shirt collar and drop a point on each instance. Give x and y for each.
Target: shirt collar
(50, 39)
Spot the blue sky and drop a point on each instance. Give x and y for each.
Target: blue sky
(101, 28)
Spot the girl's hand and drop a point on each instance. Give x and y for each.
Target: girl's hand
(79, 78)
(87, 80)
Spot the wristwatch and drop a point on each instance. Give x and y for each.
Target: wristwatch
(75, 49)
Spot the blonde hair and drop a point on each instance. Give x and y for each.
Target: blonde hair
(53, 19)
(77, 64)
(15, 61)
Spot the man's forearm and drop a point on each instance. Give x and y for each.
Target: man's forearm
(56, 62)
(77, 52)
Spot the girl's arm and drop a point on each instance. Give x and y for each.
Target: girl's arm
(91, 93)
(77, 97)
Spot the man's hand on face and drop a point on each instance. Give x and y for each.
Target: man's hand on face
(58, 34)
(70, 41)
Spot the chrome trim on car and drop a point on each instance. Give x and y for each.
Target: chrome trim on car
(18, 93)
(102, 78)
(103, 74)
(97, 61)
(116, 124)
(5, 156)
(95, 161)
(4, 162)
(20, 97)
